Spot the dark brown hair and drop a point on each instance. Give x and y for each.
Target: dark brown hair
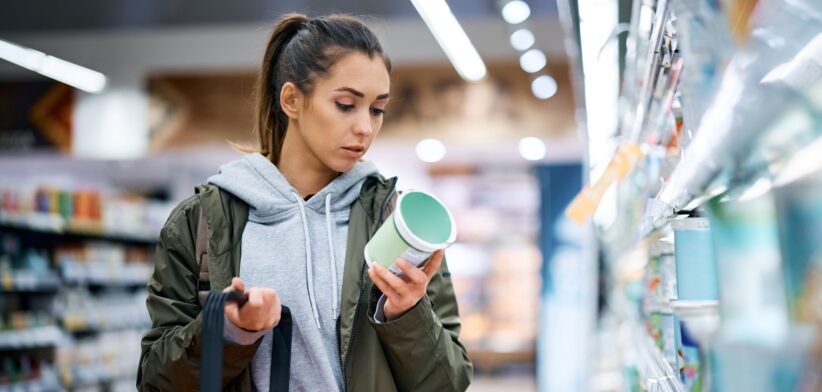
(300, 50)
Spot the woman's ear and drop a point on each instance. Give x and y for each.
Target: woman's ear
(291, 100)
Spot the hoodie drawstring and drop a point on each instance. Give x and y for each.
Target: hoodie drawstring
(332, 256)
(309, 268)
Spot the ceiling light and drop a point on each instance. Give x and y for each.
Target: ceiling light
(452, 38)
(544, 87)
(430, 150)
(532, 61)
(532, 149)
(53, 67)
(522, 39)
(516, 11)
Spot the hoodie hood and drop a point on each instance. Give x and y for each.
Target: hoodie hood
(256, 181)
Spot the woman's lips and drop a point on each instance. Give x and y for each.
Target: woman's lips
(354, 151)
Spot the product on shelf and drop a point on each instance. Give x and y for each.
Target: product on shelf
(84, 211)
(24, 373)
(108, 357)
(80, 311)
(696, 270)
(660, 277)
(24, 269)
(513, 291)
(103, 263)
(688, 357)
(799, 211)
(752, 303)
(705, 44)
(755, 332)
(34, 337)
(586, 202)
(495, 263)
(98, 291)
(660, 287)
(660, 326)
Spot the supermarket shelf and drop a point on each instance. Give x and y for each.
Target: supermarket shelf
(46, 285)
(684, 308)
(104, 383)
(106, 282)
(729, 134)
(657, 306)
(48, 381)
(38, 337)
(700, 317)
(82, 326)
(654, 369)
(80, 333)
(49, 224)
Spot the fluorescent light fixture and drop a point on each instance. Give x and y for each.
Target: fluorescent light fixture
(532, 61)
(58, 69)
(522, 39)
(452, 38)
(516, 11)
(544, 87)
(430, 150)
(600, 67)
(532, 149)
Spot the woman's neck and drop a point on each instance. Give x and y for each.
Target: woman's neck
(307, 174)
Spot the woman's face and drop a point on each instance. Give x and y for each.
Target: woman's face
(344, 112)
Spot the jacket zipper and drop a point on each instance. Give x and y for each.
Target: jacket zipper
(359, 296)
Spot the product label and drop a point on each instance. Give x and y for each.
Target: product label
(413, 256)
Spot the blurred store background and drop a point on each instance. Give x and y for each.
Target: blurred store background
(89, 176)
(636, 183)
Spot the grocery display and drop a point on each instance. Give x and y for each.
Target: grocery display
(72, 279)
(495, 261)
(720, 201)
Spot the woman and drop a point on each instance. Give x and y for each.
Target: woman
(290, 221)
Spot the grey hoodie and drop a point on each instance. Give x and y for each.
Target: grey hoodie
(296, 247)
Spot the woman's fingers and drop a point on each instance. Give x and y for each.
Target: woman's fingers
(238, 284)
(378, 275)
(262, 311)
(397, 283)
(255, 298)
(414, 274)
(433, 264)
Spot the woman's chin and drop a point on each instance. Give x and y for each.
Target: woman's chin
(343, 166)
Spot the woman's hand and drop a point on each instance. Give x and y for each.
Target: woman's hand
(403, 293)
(262, 311)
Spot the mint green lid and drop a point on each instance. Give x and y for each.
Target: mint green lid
(426, 218)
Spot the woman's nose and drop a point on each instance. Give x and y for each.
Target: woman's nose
(362, 126)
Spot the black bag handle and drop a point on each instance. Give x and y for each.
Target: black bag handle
(211, 363)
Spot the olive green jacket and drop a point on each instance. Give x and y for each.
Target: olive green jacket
(419, 351)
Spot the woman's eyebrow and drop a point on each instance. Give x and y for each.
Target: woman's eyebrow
(361, 95)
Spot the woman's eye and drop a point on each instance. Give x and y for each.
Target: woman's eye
(345, 107)
(378, 112)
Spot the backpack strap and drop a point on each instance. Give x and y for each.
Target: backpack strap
(201, 254)
(201, 247)
(212, 302)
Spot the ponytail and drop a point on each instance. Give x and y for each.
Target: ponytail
(271, 120)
